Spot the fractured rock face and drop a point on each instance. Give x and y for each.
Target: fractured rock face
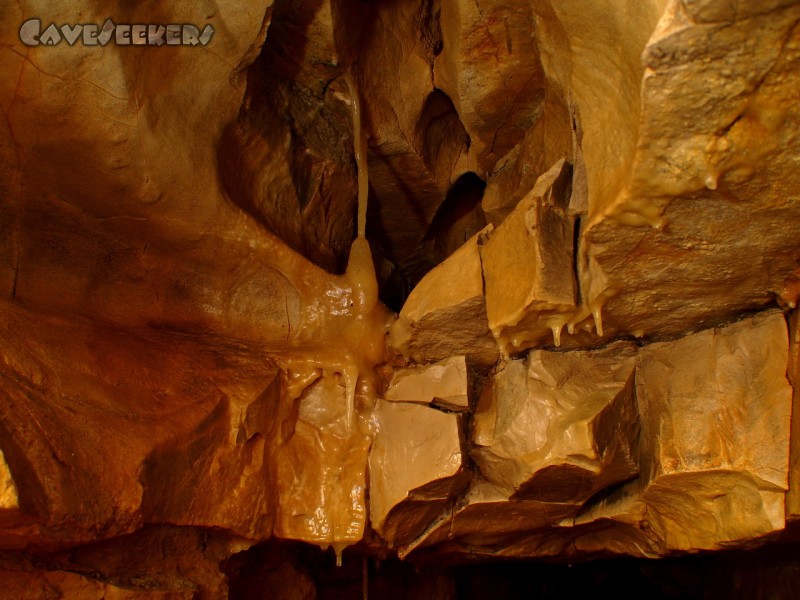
(322, 501)
(715, 410)
(445, 383)
(697, 481)
(445, 315)
(416, 468)
(793, 372)
(548, 433)
(490, 65)
(527, 266)
(711, 208)
(559, 427)
(183, 374)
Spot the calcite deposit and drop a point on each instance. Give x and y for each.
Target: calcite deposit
(433, 280)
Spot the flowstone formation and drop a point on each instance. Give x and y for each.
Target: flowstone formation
(440, 280)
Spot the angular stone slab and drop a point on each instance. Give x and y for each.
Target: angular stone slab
(486, 518)
(715, 409)
(528, 270)
(559, 427)
(708, 223)
(445, 383)
(415, 466)
(445, 314)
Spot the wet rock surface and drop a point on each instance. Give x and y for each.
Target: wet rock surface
(583, 217)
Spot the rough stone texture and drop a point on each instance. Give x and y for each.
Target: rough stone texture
(69, 586)
(445, 383)
(715, 409)
(793, 373)
(527, 268)
(321, 469)
(445, 315)
(188, 446)
(287, 159)
(486, 521)
(489, 66)
(559, 427)
(215, 474)
(416, 468)
(185, 381)
(711, 204)
(710, 469)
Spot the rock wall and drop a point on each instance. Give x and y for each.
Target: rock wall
(583, 219)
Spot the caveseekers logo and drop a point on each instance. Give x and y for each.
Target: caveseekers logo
(91, 34)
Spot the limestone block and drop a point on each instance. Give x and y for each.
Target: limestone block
(715, 409)
(486, 518)
(707, 226)
(713, 453)
(415, 467)
(445, 315)
(445, 383)
(553, 186)
(548, 434)
(516, 174)
(559, 427)
(711, 11)
(527, 266)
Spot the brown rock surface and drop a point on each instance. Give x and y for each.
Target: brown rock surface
(321, 469)
(710, 469)
(715, 409)
(192, 351)
(710, 206)
(445, 315)
(559, 427)
(490, 66)
(793, 373)
(69, 586)
(527, 268)
(445, 383)
(416, 468)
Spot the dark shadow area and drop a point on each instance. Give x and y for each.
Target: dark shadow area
(294, 570)
(458, 218)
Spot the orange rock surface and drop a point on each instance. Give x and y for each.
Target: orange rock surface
(429, 279)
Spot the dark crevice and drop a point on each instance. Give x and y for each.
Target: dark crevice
(576, 247)
(431, 29)
(459, 217)
(608, 494)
